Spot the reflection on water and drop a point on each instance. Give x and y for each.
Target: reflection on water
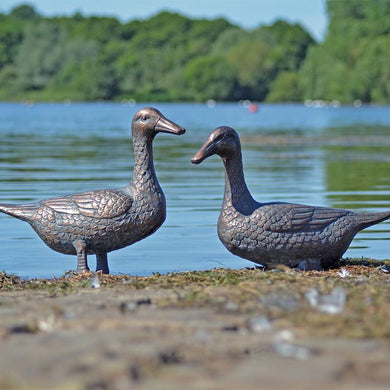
(337, 158)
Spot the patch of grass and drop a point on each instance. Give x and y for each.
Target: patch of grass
(278, 294)
(9, 281)
(363, 262)
(215, 277)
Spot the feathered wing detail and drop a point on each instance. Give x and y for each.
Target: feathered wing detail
(323, 217)
(95, 204)
(296, 217)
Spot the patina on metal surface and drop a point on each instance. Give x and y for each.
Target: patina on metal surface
(277, 233)
(98, 222)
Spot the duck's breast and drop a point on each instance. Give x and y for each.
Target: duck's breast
(147, 214)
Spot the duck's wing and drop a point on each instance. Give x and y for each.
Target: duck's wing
(297, 217)
(95, 204)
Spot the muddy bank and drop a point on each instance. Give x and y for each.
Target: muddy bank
(219, 329)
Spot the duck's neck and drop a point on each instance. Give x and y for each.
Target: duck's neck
(236, 191)
(144, 176)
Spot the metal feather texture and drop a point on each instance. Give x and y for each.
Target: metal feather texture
(277, 233)
(98, 222)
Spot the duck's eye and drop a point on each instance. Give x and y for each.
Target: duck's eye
(144, 118)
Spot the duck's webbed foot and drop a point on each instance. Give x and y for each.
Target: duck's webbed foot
(81, 250)
(102, 263)
(310, 265)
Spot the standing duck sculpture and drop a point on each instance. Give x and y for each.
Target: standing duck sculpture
(278, 233)
(98, 222)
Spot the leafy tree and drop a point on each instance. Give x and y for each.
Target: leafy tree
(254, 66)
(11, 35)
(40, 55)
(372, 71)
(285, 88)
(210, 78)
(90, 79)
(166, 57)
(291, 42)
(353, 61)
(24, 12)
(228, 39)
(73, 55)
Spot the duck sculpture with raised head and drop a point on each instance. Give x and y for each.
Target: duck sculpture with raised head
(278, 233)
(101, 221)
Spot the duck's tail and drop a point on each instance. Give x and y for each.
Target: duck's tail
(368, 219)
(20, 211)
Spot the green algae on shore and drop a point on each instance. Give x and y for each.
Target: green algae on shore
(280, 294)
(205, 329)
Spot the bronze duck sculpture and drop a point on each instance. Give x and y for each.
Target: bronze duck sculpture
(98, 222)
(277, 233)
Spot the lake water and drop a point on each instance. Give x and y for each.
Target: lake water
(326, 157)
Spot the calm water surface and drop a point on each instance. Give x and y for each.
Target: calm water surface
(326, 157)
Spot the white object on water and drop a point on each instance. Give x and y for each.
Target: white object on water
(211, 103)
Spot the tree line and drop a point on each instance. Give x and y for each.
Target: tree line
(170, 57)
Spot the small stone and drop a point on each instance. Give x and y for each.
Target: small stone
(283, 346)
(171, 357)
(312, 297)
(332, 303)
(284, 336)
(144, 301)
(128, 307)
(259, 324)
(282, 301)
(94, 281)
(203, 336)
(46, 325)
(294, 351)
(231, 306)
(25, 328)
(230, 328)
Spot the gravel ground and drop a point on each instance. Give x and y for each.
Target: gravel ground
(219, 329)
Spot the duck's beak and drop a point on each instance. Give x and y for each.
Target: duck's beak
(207, 150)
(164, 125)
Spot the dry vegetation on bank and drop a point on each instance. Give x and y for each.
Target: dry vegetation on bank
(211, 329)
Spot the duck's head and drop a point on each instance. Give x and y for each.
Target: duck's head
(149, 121)
(223, 141)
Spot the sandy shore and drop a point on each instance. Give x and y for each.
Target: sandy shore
(220, 329)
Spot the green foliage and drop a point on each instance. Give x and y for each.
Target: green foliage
(285, 88)
(40, 55)
(11, 35)
(291, 42)
(353, 61)
(24, 12)
(254, 66)
(90, 79)
(167, 57)
(372, 70)
(86, 72)
(170, 57)
(210, 78)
